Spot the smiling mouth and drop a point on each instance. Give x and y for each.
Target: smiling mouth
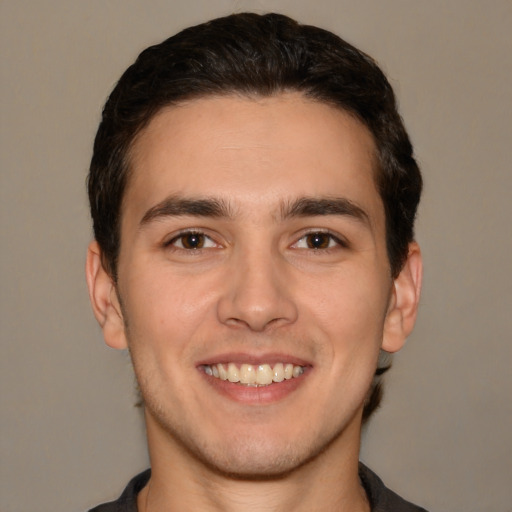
(252, 374)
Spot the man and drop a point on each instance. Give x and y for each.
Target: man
(253, 193)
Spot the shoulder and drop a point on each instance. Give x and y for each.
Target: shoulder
(381, 498)
(127, 502)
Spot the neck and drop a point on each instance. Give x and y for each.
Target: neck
(179, 481)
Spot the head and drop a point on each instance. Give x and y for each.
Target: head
(252, 56)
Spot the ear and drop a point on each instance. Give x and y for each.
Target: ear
(403, 304)
(104, 299)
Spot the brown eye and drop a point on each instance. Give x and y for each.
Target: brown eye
(318, 240)
(192, 240)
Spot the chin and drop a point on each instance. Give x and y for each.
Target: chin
(253, 462)
(258, 456)
(266, 448)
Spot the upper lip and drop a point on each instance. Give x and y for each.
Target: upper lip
(254, 359)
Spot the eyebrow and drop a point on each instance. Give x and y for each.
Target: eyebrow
(174, 206)
(312, 206)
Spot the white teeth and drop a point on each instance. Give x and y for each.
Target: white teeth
(223, 375)
(254, 375)
(247, 374)
(264, 375)
(298, 371)
(278, 373)
(233, 373)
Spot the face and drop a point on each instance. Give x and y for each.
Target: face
(253, 282)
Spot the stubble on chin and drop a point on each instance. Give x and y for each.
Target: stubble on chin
(239, 456)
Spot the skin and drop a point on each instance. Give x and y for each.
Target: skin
(256, 290)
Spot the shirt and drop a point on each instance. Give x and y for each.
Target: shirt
(380, 497)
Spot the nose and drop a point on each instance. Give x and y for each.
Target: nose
(258, 292)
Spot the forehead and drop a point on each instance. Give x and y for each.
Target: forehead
(252, 151)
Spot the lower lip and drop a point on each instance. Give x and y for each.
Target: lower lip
(252, 395)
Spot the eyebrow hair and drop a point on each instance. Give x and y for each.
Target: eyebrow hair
(311, 206)
(175, 206)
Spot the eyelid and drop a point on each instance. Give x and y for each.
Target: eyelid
(170, 241)
(336, 237)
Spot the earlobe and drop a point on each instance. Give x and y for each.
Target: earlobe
(403, 307)
(104, 300)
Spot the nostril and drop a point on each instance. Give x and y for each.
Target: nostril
(253, 295)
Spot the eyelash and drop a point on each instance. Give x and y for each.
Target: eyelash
(181, 236)
(205, 238)
(339, 242)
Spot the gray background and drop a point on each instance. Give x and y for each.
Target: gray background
(70, 435)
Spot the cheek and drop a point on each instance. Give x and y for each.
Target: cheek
(165, 313)
(349, 310)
